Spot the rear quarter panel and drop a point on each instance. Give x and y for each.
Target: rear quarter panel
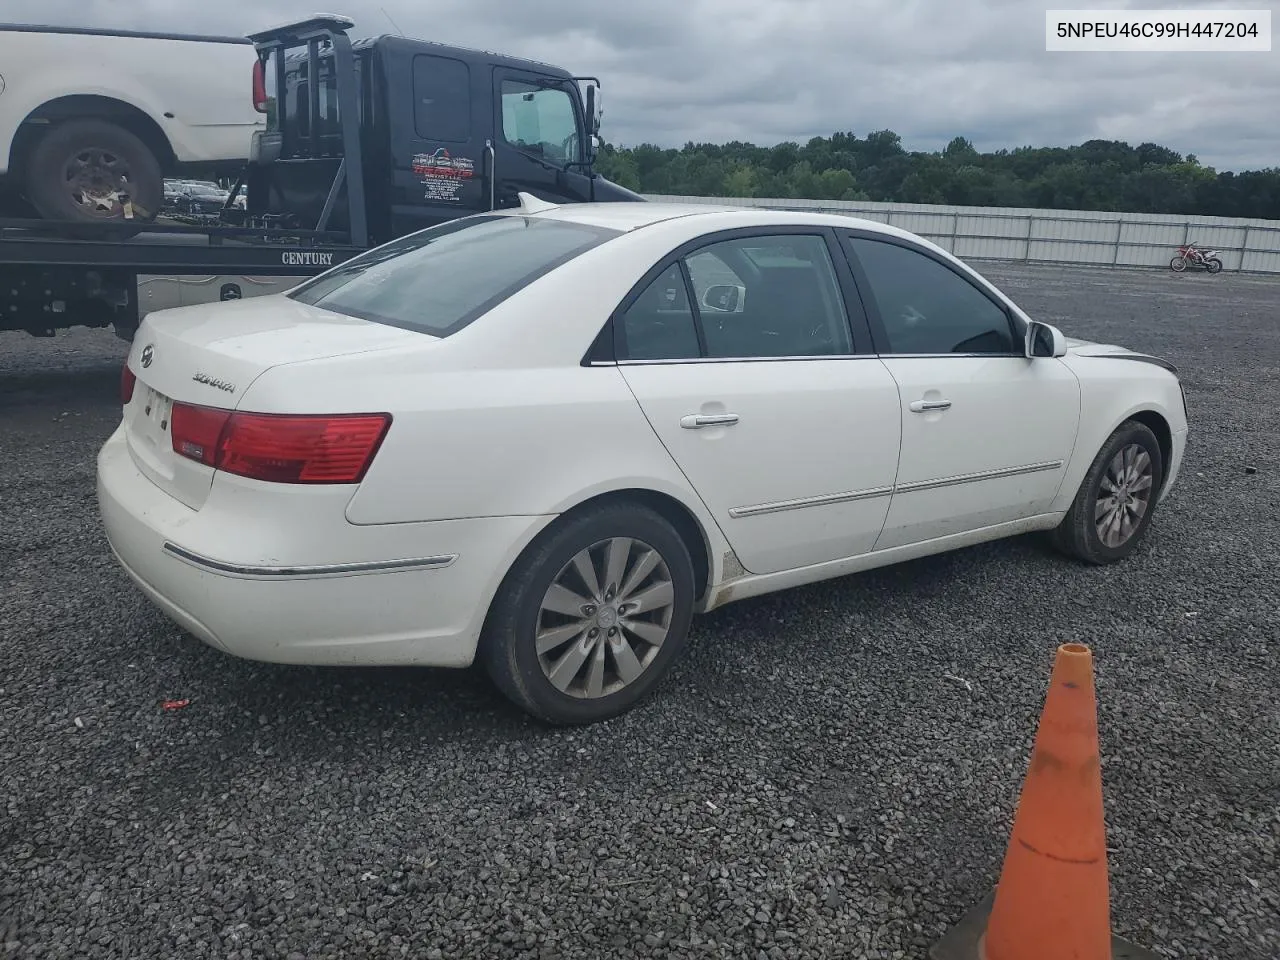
(516, 443)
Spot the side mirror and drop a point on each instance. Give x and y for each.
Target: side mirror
(593, 111)
(724, 298)
(1044, 340)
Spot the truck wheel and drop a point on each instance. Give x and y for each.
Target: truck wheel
(85, 170)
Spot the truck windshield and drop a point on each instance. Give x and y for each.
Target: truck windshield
(441, 279)
(541, 120)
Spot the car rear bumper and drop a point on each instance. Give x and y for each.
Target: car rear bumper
(380, 604)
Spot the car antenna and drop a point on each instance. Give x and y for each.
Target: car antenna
(393, 23)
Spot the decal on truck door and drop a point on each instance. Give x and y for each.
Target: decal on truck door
(442, 174)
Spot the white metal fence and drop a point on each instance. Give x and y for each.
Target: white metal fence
(1055, 236)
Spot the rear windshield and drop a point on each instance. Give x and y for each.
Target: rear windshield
(439, 280)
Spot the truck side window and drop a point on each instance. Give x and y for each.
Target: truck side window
(541, 120)
(441, 98)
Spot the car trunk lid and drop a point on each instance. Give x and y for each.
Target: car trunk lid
(210, 355)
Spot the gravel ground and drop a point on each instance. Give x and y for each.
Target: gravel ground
(808, 783)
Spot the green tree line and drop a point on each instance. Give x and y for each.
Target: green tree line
(1095, 175)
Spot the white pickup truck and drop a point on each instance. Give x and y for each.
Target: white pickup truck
(92, 121)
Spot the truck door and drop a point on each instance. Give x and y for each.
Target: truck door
(538, 129)
(437, 147)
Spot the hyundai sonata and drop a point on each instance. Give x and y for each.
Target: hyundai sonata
(545, 438)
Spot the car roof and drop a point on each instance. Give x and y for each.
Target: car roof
(627, 216)
(622, 215)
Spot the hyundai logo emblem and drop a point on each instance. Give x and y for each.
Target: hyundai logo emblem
(148, 354)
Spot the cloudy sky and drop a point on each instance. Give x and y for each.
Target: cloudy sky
(771, 70)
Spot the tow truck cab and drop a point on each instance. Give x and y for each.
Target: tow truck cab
(363, 143)
(441, 132)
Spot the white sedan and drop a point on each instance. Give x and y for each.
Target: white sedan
(544, 438)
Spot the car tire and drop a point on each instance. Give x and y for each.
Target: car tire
(1084, 532)
(118, 152)
(526, 601)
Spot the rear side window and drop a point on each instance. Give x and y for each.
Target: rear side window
(660, 324)
(441, 279)
(785, 302)
(289, 112)
(441, 98)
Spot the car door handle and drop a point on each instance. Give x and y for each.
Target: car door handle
(923, 406)
(696, 421)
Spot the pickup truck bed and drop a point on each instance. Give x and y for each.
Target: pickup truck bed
(92, 121)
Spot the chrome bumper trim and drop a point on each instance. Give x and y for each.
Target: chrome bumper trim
(309, 572)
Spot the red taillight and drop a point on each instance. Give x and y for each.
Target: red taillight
(259, 86)
(280, 448)
(195, 431)
(301, 449)
(127, 380)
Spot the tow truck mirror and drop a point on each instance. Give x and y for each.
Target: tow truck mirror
(593, 111)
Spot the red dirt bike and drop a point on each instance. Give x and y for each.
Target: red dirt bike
(1191, 255)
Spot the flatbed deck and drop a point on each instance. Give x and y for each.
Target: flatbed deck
(171, 247)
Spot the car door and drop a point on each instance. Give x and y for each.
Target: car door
(740, 352)
(986, 432)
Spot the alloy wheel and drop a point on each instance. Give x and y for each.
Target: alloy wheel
(1124, 496)
(604, 618)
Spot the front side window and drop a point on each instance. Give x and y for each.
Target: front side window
(440, 279)
(542, 121)
(927, 308)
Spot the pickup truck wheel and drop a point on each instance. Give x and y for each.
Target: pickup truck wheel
(86, 170)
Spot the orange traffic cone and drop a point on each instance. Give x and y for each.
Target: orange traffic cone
(1052, 901)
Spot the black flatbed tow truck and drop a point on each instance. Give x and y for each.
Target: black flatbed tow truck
(366, 141)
